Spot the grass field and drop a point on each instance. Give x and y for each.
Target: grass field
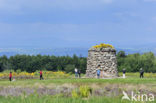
(49, 99)
(71, 90)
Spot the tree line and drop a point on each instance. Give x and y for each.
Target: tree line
(131, 62)
(51, 63)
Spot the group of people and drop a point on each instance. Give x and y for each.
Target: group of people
(124, 73)
(141, 73)
(41, 75)
(77, 73)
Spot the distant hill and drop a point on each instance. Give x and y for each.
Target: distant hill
(63, 51)
(47, 51)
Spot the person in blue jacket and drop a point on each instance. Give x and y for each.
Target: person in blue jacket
(98, 73)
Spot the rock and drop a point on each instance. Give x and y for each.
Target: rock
(103, 59)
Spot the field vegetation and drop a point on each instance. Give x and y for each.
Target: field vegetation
(74, 90)
(61, 86)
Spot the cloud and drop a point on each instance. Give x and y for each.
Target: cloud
(20, 5)
(107, 1)
(150, 0)
(154, 18)
(153, 21)
(9, 5)
(76, 20)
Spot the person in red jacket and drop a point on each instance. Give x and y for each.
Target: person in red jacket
(41, 75)
(10, 76)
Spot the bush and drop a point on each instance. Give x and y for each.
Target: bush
(85, 91)
(102, 45)
(75, 94)
(18, 71)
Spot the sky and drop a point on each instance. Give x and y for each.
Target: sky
(77, 23)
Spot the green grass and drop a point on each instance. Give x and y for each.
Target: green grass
(132, 80)
(31, 82)
(52, 99)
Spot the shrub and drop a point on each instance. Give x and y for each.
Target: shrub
(85, 91)
(102, 45)
(18, 71)
(75, 94)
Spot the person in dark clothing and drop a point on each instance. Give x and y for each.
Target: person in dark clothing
(41, 75)
(124, 72)
(141, 73)
(79, 73)
(10, 76)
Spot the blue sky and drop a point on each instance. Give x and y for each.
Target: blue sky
(77, 23)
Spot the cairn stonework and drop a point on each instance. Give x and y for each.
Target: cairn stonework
(103, 59)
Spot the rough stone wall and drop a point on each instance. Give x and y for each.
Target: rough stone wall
(103, 59)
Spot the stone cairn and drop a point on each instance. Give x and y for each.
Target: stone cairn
(103, 59)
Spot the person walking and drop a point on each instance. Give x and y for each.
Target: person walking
(124, 73)
(98, 73)
(141, 73)
(76, 73)
(41, 75)
(10, 76)
(79, 73)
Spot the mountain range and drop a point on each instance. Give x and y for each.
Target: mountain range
(64, 51)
